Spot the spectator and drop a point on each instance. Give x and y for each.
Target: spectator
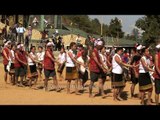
(29, 34)
(20, 31)
(27, 43)
(59, 43)
(4, 32)
(44, 36)
(87, 41)
(78, 40)
(14, 33)
(9, 35)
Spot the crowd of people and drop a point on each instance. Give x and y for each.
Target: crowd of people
(56, 39)
(16, 34)
(92, 60)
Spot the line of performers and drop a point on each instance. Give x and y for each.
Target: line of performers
(94, 62)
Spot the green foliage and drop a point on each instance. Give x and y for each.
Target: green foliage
(115, 28)
(151, 25)
(84, 23)
(130, 37)
(93, 26)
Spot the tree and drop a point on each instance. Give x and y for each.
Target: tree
(151, 26)
(135, 34)
(115, 28)
(96, 26)
(105, 29)
(80, 21)
(83, 22)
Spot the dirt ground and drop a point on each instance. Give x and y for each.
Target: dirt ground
(13, 95)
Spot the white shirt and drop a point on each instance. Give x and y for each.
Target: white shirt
(20, 30)
(141, 68)
(40, 56)
(30, 31)
(78, 40)
(30, 62)
(62, 57)
(82, 68)
(69, 62)
(104, 59)
(13, 56)
(148, 61)
(117, 69)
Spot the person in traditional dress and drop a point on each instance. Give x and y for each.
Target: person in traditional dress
(49, 67)
(20, 64)
(145, 84)
(11, 67)
(71, 70)
(135, 59)
(108, 57)
(103, 60)
(32, 60)
(40, 55)
(157, 74)
(5, 55)
(96, 68)
(83, 71)
(61, 62)
(117, 81)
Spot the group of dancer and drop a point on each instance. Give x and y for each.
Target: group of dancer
(93, 61)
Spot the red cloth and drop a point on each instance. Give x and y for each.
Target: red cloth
(48, 63)
(5, 61)
(93, 65)
(22, 57)
(137, 68)
(79, 53)
(155, 74)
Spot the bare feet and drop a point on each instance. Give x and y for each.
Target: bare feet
(132, 96)
(58, 89)
(78, 93)
(119, 98)
(91, 96)
(149, 103)
(21, 85)
(46, 89)
(103, 96)
(34, 87)
(68, 92)
(142, 102)
(5, 81)
(115, 99)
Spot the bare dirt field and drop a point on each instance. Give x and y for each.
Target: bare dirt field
(13, 95)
